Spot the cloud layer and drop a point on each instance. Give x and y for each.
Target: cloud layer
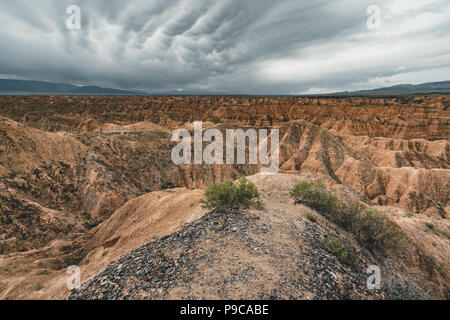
(235, 47)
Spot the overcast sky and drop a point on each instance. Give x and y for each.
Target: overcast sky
(228, 46)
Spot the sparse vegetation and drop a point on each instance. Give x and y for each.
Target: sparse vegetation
(433, 264)
(372, 229)
(43, 272)
(442, 272)
(226, 195)
(343, 250)
(100, 162)
(38, 287)
(91, 225)
(429, 225)
(86, 215)
(311, 217)
(160, 133)
(168, 185)
(316, 196)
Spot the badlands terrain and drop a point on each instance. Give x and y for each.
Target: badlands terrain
(89, 181)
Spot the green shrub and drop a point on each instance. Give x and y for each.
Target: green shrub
(226, 195)
(442, 272)
(91, 225)
(409, 214)
(168, 185)
(375, 231)
(371, 228)
(343, 251)
(316, 196)
(311, 217)
(431, 262)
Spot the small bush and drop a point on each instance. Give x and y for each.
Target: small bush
(311, 217)
(429, 225)
(86, 215)
(343, 251)
(409, 214)
(442, 272)
(371, 228)
(432, 263)
(375, 231)
(315, 195)
(168, 185)
(226, 195)
(91, 225)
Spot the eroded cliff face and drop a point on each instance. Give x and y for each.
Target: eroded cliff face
(306, 148)
(82, 178)
(69, 163)
(391, 117)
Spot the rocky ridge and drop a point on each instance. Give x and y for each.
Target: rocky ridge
(275, 253)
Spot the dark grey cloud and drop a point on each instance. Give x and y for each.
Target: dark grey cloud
(230, 46)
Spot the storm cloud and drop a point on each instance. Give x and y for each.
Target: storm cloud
(227, 46)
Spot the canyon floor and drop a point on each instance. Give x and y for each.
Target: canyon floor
(89, 181)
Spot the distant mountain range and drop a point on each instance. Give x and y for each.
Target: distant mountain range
(426, 88)
(25, 87)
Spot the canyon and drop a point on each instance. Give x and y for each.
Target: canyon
(87, 180)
